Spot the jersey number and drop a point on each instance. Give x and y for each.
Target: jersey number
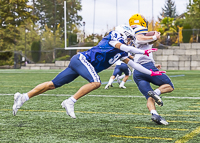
(113, 60)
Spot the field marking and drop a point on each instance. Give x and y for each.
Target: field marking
(40, 72)
(140, 137)
(195, 122)
(112, 113)
(176, 75)
(125, 96)
(188, 110)
(194, 106)
(117, 82)
(173, 129)
(189, 136)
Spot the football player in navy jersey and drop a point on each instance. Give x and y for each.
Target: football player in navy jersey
(120, 68)
(88, 64)
(139, 25)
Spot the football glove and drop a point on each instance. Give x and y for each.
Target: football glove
(155, 73)
(147, 52)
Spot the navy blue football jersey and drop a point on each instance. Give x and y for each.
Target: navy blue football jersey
(104, 55)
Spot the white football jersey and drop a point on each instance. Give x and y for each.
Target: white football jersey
(139, 58)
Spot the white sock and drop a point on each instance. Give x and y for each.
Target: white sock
(73, 99)
(110, 81)
(154, 112)
(122, 83)
(24, 97)
(122, 76)
(116, 77)
(157, 91)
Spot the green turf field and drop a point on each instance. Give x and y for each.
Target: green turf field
(113, 115)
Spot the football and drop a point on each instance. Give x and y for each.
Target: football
(151, 33)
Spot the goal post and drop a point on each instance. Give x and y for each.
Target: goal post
(65, 33)
(77, 48)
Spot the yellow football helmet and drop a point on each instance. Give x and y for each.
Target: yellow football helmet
(138, 19)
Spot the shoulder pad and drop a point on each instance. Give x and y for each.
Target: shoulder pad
(116, 36)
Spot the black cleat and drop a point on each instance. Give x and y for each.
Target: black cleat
(159, 120)
(155, 97)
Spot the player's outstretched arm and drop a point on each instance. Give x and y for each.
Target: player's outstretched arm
(141, 68)
(134, 50)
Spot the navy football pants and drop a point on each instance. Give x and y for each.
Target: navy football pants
(143, 80)
(121, 68)
(78, 66)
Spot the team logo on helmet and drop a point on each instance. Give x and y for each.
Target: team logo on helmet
(126, 28)
(125, 31)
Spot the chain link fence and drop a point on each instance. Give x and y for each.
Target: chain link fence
(15, 59)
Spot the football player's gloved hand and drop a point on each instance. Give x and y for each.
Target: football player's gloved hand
(155, 73)
(146, 52)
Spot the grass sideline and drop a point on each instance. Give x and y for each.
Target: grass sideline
(119, 115)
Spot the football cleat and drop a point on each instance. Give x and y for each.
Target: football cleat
(17, 102)
(155, 97)
(108, 85)
(122, 86)
(159, 120)
(69, 107)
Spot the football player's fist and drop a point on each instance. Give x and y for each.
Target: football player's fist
(147, 52)
(157, 34)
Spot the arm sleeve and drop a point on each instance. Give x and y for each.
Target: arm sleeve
(139, 67)
(113, 43)
(131, 49)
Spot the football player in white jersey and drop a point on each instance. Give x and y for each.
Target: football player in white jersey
(139, 25)
(88, 64)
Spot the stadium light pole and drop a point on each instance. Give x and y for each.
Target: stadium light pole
(116, 14)
(84, 31)
(152, 16)
(138, 6)
(94, 20)
(65, 23)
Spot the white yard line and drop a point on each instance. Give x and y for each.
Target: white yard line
(125, 96)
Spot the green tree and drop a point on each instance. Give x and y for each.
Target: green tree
(50, 40)
(169, 10)
(193, 14)
(51, 12)
(167, 26)
(36, 51)
(168, 30)
(26, 36)
(93, 39)
(13, 13)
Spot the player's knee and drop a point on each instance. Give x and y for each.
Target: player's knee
(171, 88)
(50, 85)
(96, 84)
